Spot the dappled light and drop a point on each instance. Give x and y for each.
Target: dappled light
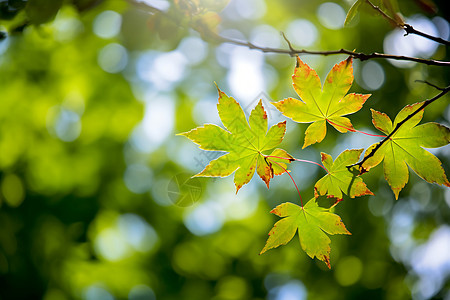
(222, 149)
(331, 15)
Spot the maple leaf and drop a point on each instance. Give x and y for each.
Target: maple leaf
(339, 178)
(312, 223)
(321, 105)
(404, 148)
(244, 141)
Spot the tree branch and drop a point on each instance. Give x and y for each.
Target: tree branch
(410, 30)
(407, 27)
(206, 33)
(430, 84)
(358, 55)
(397, 127)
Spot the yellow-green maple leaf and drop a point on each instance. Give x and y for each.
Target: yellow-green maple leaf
(321, 105)
(312, 222)
(405, 148)
(244, 141)
(340, 179)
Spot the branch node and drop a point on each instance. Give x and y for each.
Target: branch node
(288, 43)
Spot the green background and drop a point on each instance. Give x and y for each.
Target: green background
(92, 94)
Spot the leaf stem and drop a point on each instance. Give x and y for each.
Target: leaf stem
(300, 160)
(286, 171)
(354, 130)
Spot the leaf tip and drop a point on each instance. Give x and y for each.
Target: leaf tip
(262, 107)
(323, 156)
(276, 211)
(267, 181)
(307, 143)
(328, 263)
(238, 187)
(316, 192)
(282, 124)
(326, 260)
(396, 192)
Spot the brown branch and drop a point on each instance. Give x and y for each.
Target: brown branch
(407, 27)
(206, 33)
(430, 84)
(287, 42)
(410, 30)
(358, 55)
(397, 127)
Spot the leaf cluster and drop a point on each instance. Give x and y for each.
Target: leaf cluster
(247, 144)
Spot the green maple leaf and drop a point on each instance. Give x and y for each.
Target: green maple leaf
(312, 223)
(339, 178)
(404, 148)
(321, 105)
(244, 141)
(352, 12)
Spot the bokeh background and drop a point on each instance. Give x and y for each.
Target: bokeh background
(93, 200)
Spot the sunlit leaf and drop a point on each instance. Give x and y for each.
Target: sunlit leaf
(352, 12)
(244, 141)
(406, 148)
(340, 179)
(319, 105)
(312, 223)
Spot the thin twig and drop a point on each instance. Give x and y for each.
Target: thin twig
(358, 55)
(410, 30)
(287, 42)
(407, 27)
(397, 127)
(292, 52)
(430, 84)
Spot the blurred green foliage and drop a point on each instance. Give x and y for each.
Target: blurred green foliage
(92, 94)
